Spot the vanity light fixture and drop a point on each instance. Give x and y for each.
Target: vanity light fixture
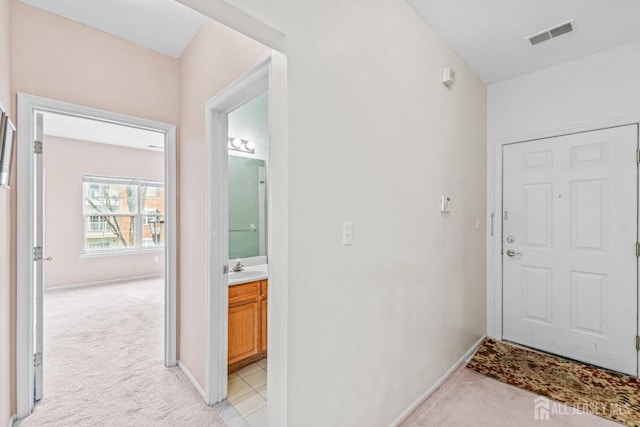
(242, 145)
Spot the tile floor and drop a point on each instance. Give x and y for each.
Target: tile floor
(247, 393)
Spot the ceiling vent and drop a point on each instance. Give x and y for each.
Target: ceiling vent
(551, 33)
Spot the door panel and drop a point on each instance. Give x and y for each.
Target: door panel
(244, 335)
(537, 294)
(570, 230)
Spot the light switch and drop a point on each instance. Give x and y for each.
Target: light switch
(347, 233)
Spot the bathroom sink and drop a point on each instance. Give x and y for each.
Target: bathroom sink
(246, 276)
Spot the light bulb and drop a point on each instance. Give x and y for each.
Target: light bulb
(250, 145)
(236, 142)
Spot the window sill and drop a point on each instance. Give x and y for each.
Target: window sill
(120, 253)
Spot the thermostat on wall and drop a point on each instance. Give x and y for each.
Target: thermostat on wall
(445, 204)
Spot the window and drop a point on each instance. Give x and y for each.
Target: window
(122, 214)
(97, 223)
(99, 245)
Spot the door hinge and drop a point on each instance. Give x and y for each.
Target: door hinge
(637, 343)
(638, 155)
(37, 147)
(37, 253)
(225, 269)
(37, 359)
(637, 249)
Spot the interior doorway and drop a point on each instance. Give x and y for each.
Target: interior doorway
(248, 278)
(248, 307)
(570, 230)
(115, 218)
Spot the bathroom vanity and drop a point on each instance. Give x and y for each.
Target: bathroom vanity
(247, 323)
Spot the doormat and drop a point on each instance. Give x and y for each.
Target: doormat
(583, 388)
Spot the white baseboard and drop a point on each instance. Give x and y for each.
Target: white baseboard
(465, 358)
(193, 381)
(103, 282)
(12, 420)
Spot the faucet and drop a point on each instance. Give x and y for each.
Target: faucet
(238, 267)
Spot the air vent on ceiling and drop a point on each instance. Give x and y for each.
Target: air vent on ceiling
(550, 33)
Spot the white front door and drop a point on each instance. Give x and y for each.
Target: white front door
(570, 227)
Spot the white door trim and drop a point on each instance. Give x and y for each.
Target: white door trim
(27, 104)
(494, 212)
(241, 91)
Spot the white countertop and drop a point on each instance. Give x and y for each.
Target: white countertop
(250, 274)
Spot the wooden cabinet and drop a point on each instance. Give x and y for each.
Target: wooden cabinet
(247, 323)
(244, 332)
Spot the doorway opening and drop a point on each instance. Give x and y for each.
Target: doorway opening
(247, 178)
(237, 289)
(97, 206)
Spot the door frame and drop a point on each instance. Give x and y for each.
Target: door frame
(244, 89)
(27, 105)
(495, 209)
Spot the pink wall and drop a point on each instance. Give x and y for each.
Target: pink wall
(215, 58)
(61, 59)
(64, 233)
(6, 400)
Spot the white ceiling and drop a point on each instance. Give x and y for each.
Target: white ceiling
(490, 35)
(165, 26)
(102, 132)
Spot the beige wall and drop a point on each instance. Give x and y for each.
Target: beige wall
(375, 138)
(214, 59)
(6, 399)
(61, 59)
(64, 233)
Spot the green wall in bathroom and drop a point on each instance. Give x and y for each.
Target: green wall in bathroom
(243, 207)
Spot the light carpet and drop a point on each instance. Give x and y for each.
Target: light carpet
(103, 362)
(468, 399)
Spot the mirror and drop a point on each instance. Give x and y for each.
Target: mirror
(247, 173)
(247, 207)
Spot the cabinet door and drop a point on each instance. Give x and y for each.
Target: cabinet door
(263, 325)
(244, 331)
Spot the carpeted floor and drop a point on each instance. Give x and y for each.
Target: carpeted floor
(103, 355)
(470, 399)
(587, 388)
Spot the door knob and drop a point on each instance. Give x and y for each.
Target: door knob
(49, 258)
(512, 253)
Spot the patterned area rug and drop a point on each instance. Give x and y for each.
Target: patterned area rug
(582, 387)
